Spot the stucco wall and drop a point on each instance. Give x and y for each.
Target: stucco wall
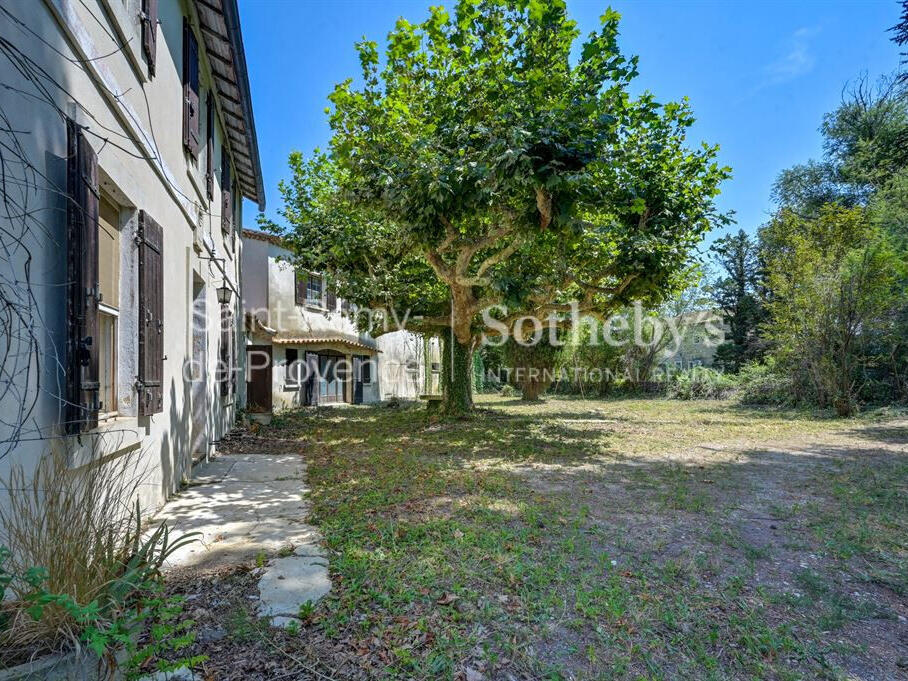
(402, 365)
(134, 126)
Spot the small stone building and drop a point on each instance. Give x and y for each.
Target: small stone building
(303, 348)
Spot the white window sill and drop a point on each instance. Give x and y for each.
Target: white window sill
(113, 437)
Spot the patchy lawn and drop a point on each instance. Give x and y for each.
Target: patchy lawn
(578, 539)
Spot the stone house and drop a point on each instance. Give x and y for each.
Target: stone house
(129, 146)
(303, 348)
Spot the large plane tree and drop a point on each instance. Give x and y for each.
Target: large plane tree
(482, 162)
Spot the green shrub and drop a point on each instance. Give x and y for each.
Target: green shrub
(80, 569)
(700, 383)
(766, 384)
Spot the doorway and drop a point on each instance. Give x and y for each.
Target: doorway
(258, 385)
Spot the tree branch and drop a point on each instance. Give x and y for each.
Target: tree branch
(467, 252)
(450, 235)
(444, 272)
(544, 205)
(478, 279)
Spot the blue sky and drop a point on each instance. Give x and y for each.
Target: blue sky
(760, 75)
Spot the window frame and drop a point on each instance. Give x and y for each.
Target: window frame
(113, 314)
(310, 301)
(109, 409)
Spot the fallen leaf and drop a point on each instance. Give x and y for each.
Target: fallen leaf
(446, 599)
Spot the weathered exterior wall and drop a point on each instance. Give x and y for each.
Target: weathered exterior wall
(403, 365)
(134, 125)
(255, 285)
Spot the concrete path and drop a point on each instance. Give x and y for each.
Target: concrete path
(249, 506)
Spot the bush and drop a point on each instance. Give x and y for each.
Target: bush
(765, 384)
(79, 567)
(509, 391)
(700, 383)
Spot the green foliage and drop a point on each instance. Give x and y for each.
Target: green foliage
(306, 610)
(507, 390)
(487, 161)
(765, 384)
(737, 293)
(115, 619)
(836, 261)
(479, 373)
(532, 364)
(836, 284)
(700, 383)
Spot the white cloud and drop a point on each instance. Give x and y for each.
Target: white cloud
(797, 59)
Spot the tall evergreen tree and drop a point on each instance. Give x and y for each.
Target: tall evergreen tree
(737, 292)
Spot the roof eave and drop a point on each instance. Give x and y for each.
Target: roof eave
(232, 17)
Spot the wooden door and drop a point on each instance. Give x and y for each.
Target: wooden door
(258, 387)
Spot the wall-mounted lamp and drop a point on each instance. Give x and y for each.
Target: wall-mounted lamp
(224, 294)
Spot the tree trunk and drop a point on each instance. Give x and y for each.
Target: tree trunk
(531, 389)
(456, 374)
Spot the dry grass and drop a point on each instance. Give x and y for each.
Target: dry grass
(80, 525)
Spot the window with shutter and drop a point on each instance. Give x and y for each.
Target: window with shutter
(150, 33)
(330, 300)
(150, 383)
(191, 123)
(82, 383)
(209, 146)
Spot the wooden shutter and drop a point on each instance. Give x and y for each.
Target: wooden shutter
(150, 384)
(331, 300)
(226, 185)
(150, 33)
(82, 274)
(191, 123)
(209, 146)
(300, 288)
